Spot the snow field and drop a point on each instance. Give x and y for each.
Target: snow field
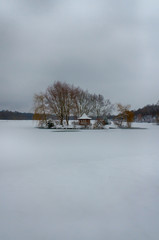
(78, 185)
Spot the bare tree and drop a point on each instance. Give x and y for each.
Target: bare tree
(55, 100)
(69, 100)
(61, 100)
(100, 107)
(82, 102)
(108, 108)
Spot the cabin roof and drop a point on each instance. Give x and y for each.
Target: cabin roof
(84, 116)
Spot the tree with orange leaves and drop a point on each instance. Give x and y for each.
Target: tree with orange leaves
(124, 115)
(40, 109)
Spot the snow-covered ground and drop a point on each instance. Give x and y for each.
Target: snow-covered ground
(78, 185)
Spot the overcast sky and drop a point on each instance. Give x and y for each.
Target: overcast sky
(106, 46)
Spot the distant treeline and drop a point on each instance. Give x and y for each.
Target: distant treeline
(9, 115)
(149, 110)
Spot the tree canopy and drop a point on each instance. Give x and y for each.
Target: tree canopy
(64, 100)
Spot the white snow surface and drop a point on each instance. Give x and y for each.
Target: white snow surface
(78, 185)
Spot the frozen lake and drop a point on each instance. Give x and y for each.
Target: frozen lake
(85, 185)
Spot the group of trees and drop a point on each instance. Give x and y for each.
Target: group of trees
(64, 100)
(149, 110)
(149, 113)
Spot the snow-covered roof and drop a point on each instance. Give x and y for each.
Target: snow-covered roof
(84, 116)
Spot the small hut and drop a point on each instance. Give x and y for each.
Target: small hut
(84, 120)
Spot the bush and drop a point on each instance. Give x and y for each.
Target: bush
(50, 123)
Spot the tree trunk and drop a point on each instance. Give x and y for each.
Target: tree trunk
(67, 121)
(61, 120)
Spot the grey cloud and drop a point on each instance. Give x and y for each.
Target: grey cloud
(103, 46)
(38, 6)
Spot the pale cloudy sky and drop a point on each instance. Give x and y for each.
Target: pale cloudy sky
(106, 46)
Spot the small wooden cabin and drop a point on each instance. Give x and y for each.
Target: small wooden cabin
(84, 120)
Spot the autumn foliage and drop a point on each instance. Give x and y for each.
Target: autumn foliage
(125, 115)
